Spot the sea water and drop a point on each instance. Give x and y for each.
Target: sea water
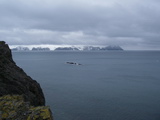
(114, 85)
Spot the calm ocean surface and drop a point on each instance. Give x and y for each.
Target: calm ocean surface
(107, 86)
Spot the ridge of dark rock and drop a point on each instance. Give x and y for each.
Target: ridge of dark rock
(14, 81)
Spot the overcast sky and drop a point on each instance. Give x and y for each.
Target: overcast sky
(132, 24)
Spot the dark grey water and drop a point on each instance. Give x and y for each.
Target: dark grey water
(107, 86)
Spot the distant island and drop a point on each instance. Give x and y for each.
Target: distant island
(84, 48)
(89, 48)
(112, 48)
(67, 48)
(20, 48)
(40, 49)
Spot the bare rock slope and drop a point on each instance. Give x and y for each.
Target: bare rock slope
(14, 81)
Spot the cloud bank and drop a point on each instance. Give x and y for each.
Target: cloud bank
(131, 24)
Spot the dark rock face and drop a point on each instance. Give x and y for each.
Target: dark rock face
(14, 81)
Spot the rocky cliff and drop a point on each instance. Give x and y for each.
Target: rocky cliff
(14, 81)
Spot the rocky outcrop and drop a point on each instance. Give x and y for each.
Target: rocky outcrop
(14, 108)
(73, 63)
(14, 81)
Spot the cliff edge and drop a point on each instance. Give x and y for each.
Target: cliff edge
(21, 97)
(14, 81)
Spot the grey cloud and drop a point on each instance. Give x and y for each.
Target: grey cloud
(127, 23)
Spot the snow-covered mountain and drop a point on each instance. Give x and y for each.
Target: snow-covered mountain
(89, 48)
(20, 48)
